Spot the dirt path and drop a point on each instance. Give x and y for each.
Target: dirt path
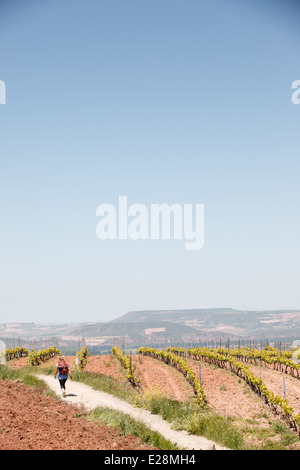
(158, 378)
(82, 395)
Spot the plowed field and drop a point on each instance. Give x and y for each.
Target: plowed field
(30, 420)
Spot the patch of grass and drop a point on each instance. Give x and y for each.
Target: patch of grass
(282, 444)
(251, 421)
(47, 369)
(277, 436)
(27, 376)
(261, 415)
(205, 422)
(130, 426)
(24, 374)
(264, 433)
(287, 436)
(163, 406)
(279, 427)
(271, 445)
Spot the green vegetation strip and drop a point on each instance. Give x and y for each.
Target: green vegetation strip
(127, 425)
(26, 375)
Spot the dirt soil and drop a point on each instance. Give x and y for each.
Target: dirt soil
(158, 378)
(226, 395)
(30, 420)
(18, 363)
(230, 396)
(106, 365)
(274, 381)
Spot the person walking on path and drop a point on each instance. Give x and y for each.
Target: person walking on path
(62, 372)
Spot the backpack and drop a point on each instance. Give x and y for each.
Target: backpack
(63, 368)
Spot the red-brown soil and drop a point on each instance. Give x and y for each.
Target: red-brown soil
(227, 394)
(106, 365)
(18, 363)
(274, 381)
(230, 396)
(157, 377)
(30, 420)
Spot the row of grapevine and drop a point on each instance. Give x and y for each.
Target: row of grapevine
(225, 361)
(81, 358)
(127, 364)
(176, 361)
(15, 353)
(280, 360)
(37, 357)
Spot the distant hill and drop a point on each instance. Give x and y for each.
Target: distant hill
(224, 322)
(144, 327)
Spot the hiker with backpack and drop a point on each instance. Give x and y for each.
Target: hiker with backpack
(62, 371)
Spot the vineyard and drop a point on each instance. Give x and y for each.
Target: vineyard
(229, 361)
(255, 392)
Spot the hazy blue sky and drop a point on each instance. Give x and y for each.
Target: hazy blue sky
(166, 101)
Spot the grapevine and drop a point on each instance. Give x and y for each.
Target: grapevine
(127, 364)
(280, 360)
(15, 353)
(81, 357)
(179, 363)
(42, 355)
